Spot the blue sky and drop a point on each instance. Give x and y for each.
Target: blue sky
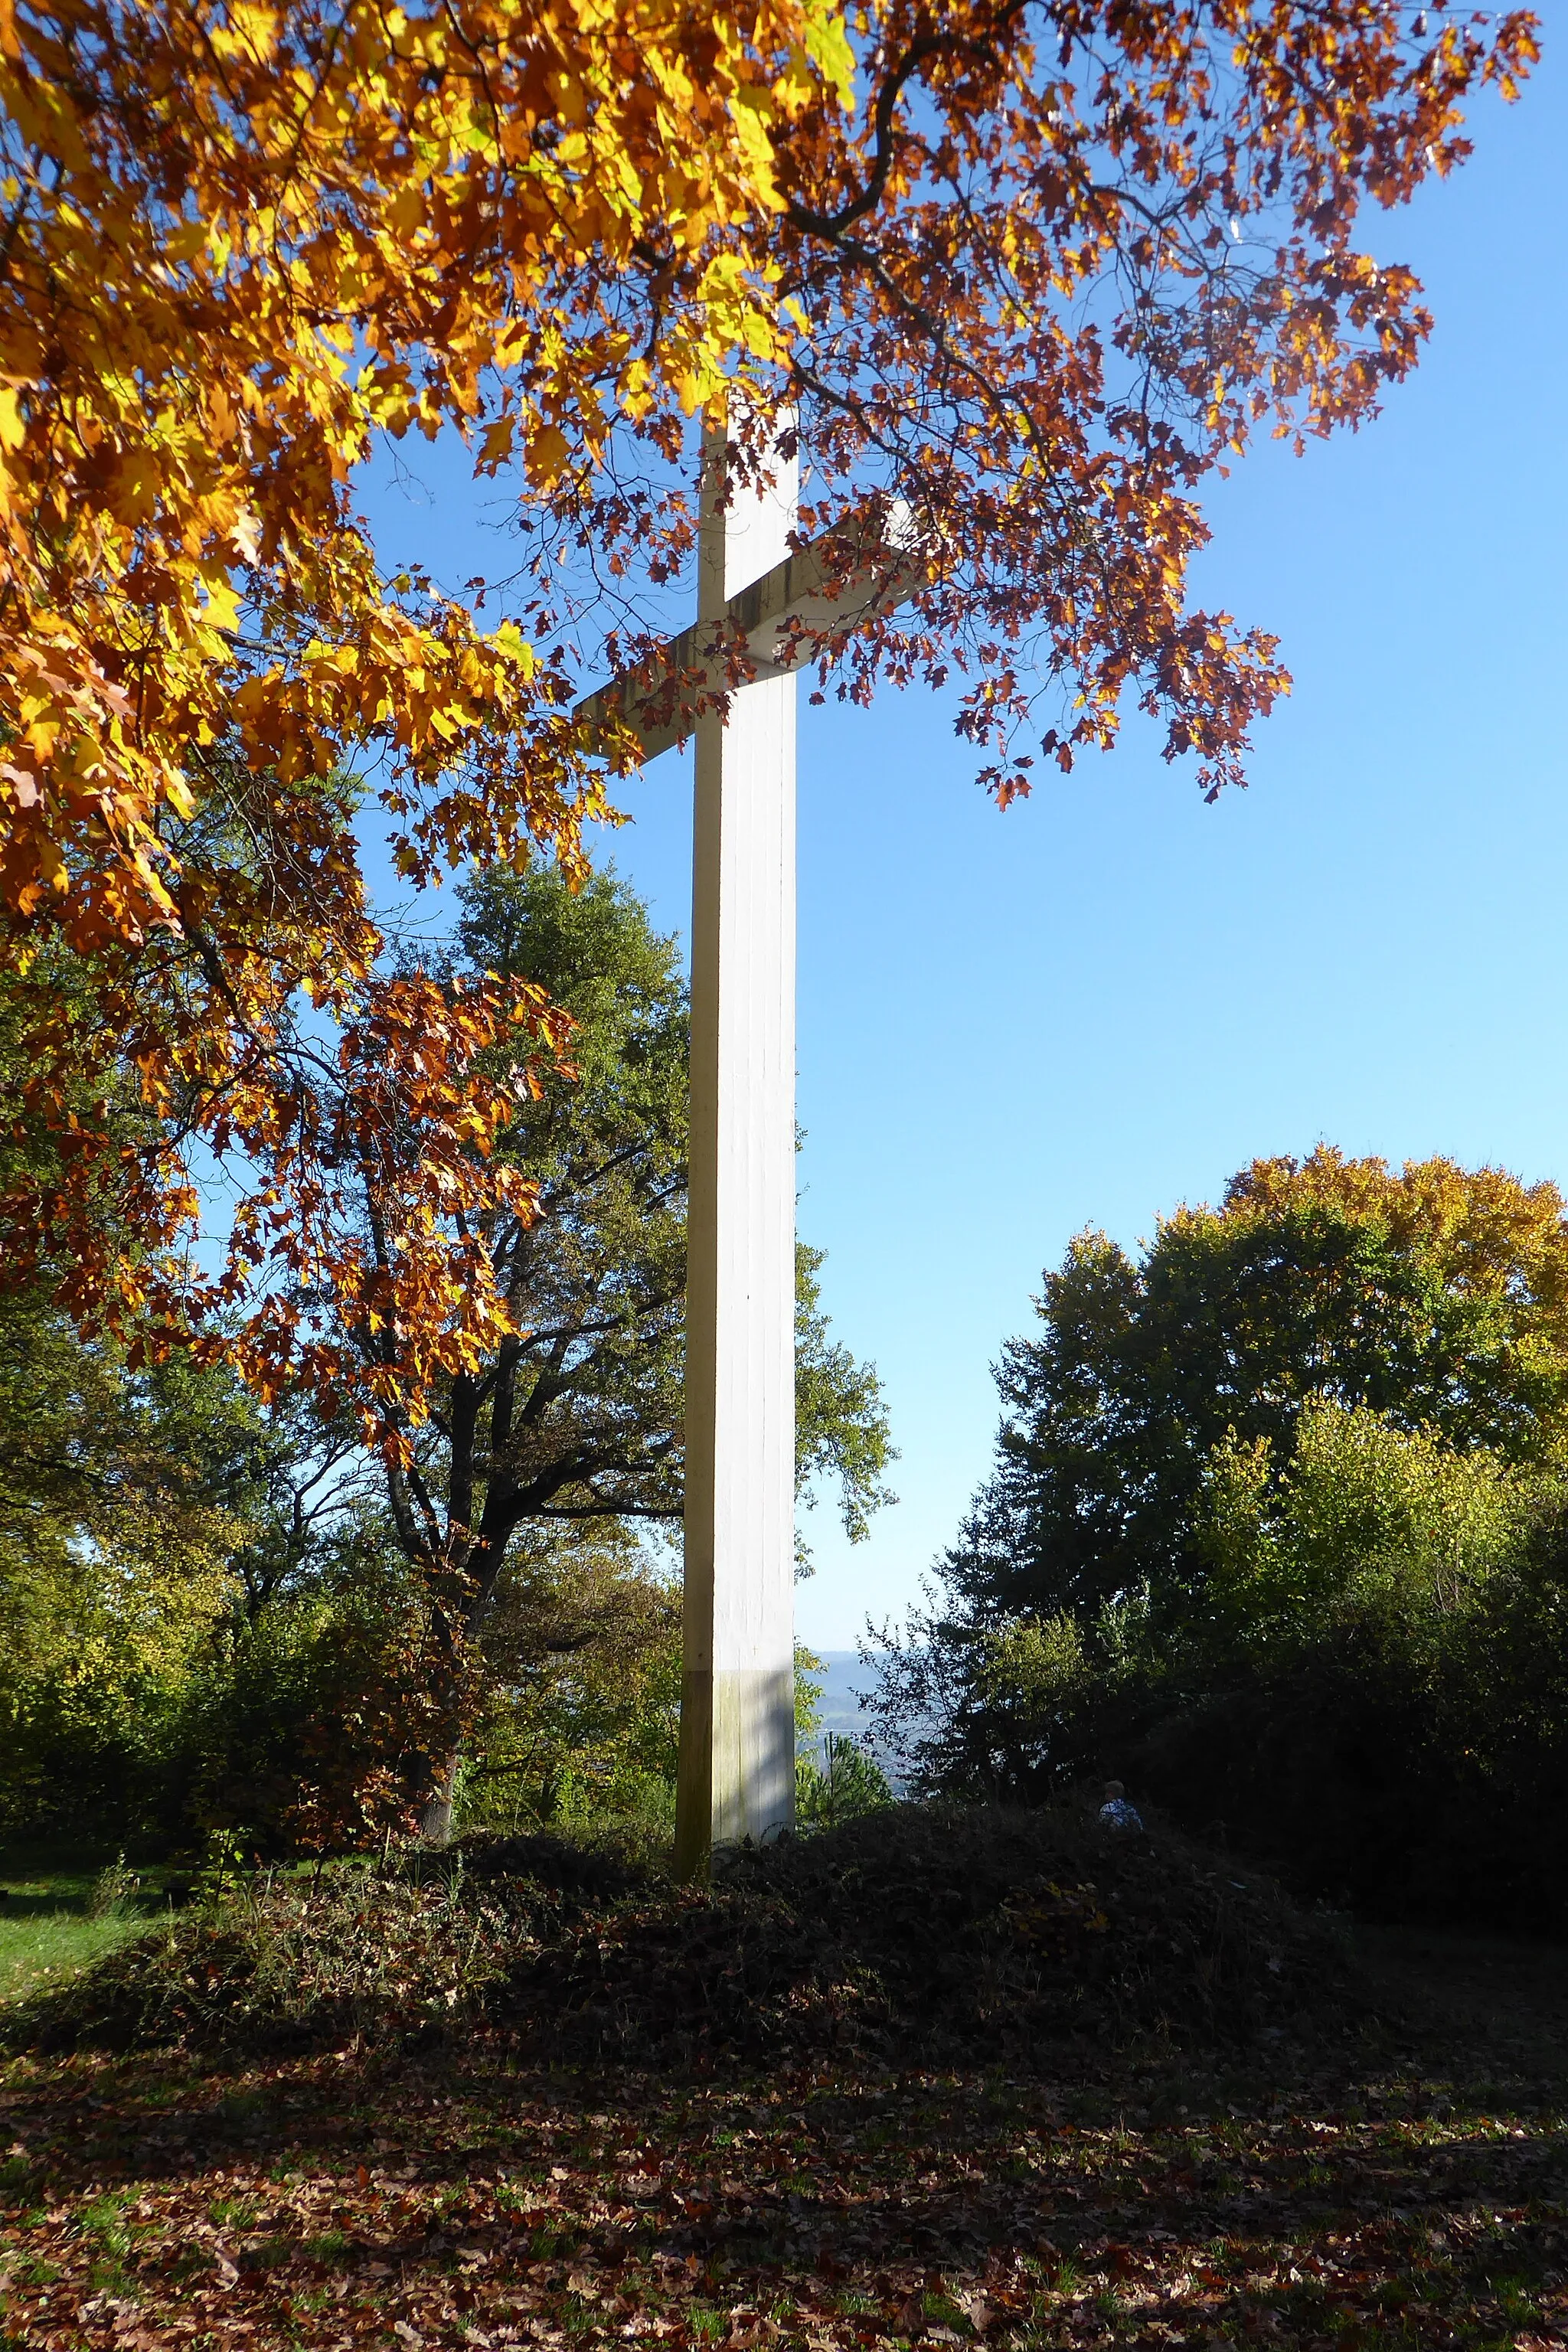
(1105, 1001)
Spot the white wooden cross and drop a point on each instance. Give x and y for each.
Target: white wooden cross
(736, 1776)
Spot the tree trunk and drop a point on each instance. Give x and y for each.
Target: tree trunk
(437, 1827)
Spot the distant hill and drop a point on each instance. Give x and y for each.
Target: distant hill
(844, 1676)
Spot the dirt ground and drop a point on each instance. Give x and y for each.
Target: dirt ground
(1480, 2004)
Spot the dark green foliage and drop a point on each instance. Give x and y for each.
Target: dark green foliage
(1279, 1534)
(1378, 1712)
(843, 1782)
(579, 1417)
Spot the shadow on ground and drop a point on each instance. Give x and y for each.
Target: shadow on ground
(1406, 2186)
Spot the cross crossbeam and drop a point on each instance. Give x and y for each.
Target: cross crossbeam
(764, 630)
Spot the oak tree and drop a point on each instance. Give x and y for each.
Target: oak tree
(240, 243)
(1022, 274)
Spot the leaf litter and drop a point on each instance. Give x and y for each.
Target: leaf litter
(1346, 2180)
(949, 1936)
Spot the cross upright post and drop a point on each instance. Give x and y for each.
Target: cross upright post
(736, 1775)
(736, 1772)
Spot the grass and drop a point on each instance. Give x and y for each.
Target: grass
(47, 1930)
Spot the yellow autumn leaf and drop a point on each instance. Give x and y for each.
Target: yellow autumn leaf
(222, 605)
(828, 46)
(547, 449)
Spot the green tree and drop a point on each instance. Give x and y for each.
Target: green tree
(839, 1784)
(1362, 1524)
(1353, 1691)
(1277, 1532)
(576, 1419)
(1438, 1297)
(580, 1714)
(1369, 1690)
(116, 1568)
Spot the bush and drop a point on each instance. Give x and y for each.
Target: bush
(846, 1782)
(581, 1721)
(1366, 1690)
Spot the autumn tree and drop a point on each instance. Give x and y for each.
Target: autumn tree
(1028, 272)
(240, 243)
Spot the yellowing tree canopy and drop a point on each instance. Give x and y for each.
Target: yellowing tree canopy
(1031, 272)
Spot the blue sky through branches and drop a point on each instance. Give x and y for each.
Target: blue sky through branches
(1105, 1001)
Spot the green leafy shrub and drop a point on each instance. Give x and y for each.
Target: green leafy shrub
(581, 1720)
(1366, 1687)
